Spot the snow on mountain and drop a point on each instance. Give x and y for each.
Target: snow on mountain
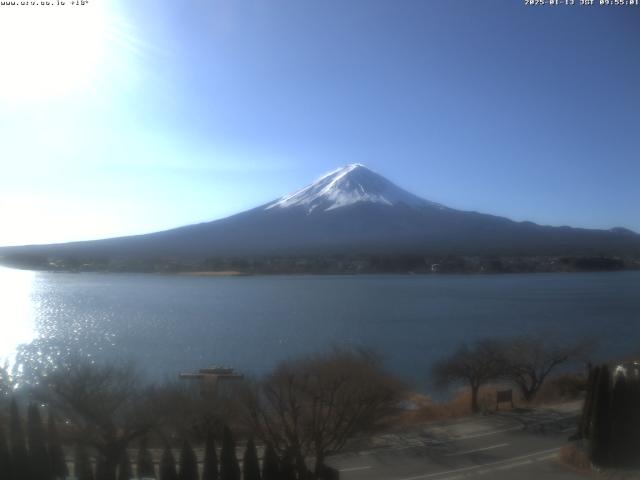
(348, 185)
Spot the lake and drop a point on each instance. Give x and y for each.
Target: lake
(169, 323)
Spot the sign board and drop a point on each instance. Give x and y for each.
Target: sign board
(504, 396)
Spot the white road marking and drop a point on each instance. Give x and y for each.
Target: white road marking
(355, 469)
(477, 450)
(548, 457)
(509, 461)
(504, 467)
(437, 443)
(485, 434)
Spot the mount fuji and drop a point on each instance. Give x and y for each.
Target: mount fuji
(351, 211)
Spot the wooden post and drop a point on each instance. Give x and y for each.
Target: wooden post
(504, 396)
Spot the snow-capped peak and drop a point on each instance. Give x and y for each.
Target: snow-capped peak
(350, 184)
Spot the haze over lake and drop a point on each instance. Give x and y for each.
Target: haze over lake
(169, 324)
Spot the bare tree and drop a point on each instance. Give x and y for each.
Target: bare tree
(176, 409)
(475, 365)
(6, 383)
(104, 405)
(311, 407)
(182, 410)
(530, 359)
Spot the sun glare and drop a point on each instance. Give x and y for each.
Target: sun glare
(17, 310)
(48, 51)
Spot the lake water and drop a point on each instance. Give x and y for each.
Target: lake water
(169, 324)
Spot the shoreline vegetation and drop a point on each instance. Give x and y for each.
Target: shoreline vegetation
(308, 409)
(333, 401)
(330, 264)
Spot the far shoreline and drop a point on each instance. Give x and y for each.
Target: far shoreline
(211, 273)
(237, 273)
(334, 264)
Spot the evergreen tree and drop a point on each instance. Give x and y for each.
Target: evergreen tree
(168, 465)
(621, 427)
(587, 407)
(19, 453)
(59, 469)
(210, 468)
(625, 420)
(101, 468)
(600, 428)
(125, 472)
(229, 468)
(145, 461)
(39, 460)
(634, 422)
(287, 467)
(270, 464)
(82, 464)
(188, 462)
(250, 466)
(5, 457)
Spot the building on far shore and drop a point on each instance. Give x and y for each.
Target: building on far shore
(212, 380)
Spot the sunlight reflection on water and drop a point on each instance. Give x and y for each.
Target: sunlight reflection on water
(17, 311)
(167, 324)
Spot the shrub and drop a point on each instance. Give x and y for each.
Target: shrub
(59, 469)
(39, 461)
(82, 464)
(125, 472)
(575, 457)
(250, 466)
(5, 456)
(145, 461)
(210, 468)
(600, 426)
(168, 465)
(188, 462)
(270, 464)
(19, 453)
(229, 468)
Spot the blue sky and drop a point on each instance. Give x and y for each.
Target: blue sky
(129, 117)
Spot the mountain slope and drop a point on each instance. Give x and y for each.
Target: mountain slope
(347, 186)
(351, 211)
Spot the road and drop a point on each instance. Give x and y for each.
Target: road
(520, 444)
